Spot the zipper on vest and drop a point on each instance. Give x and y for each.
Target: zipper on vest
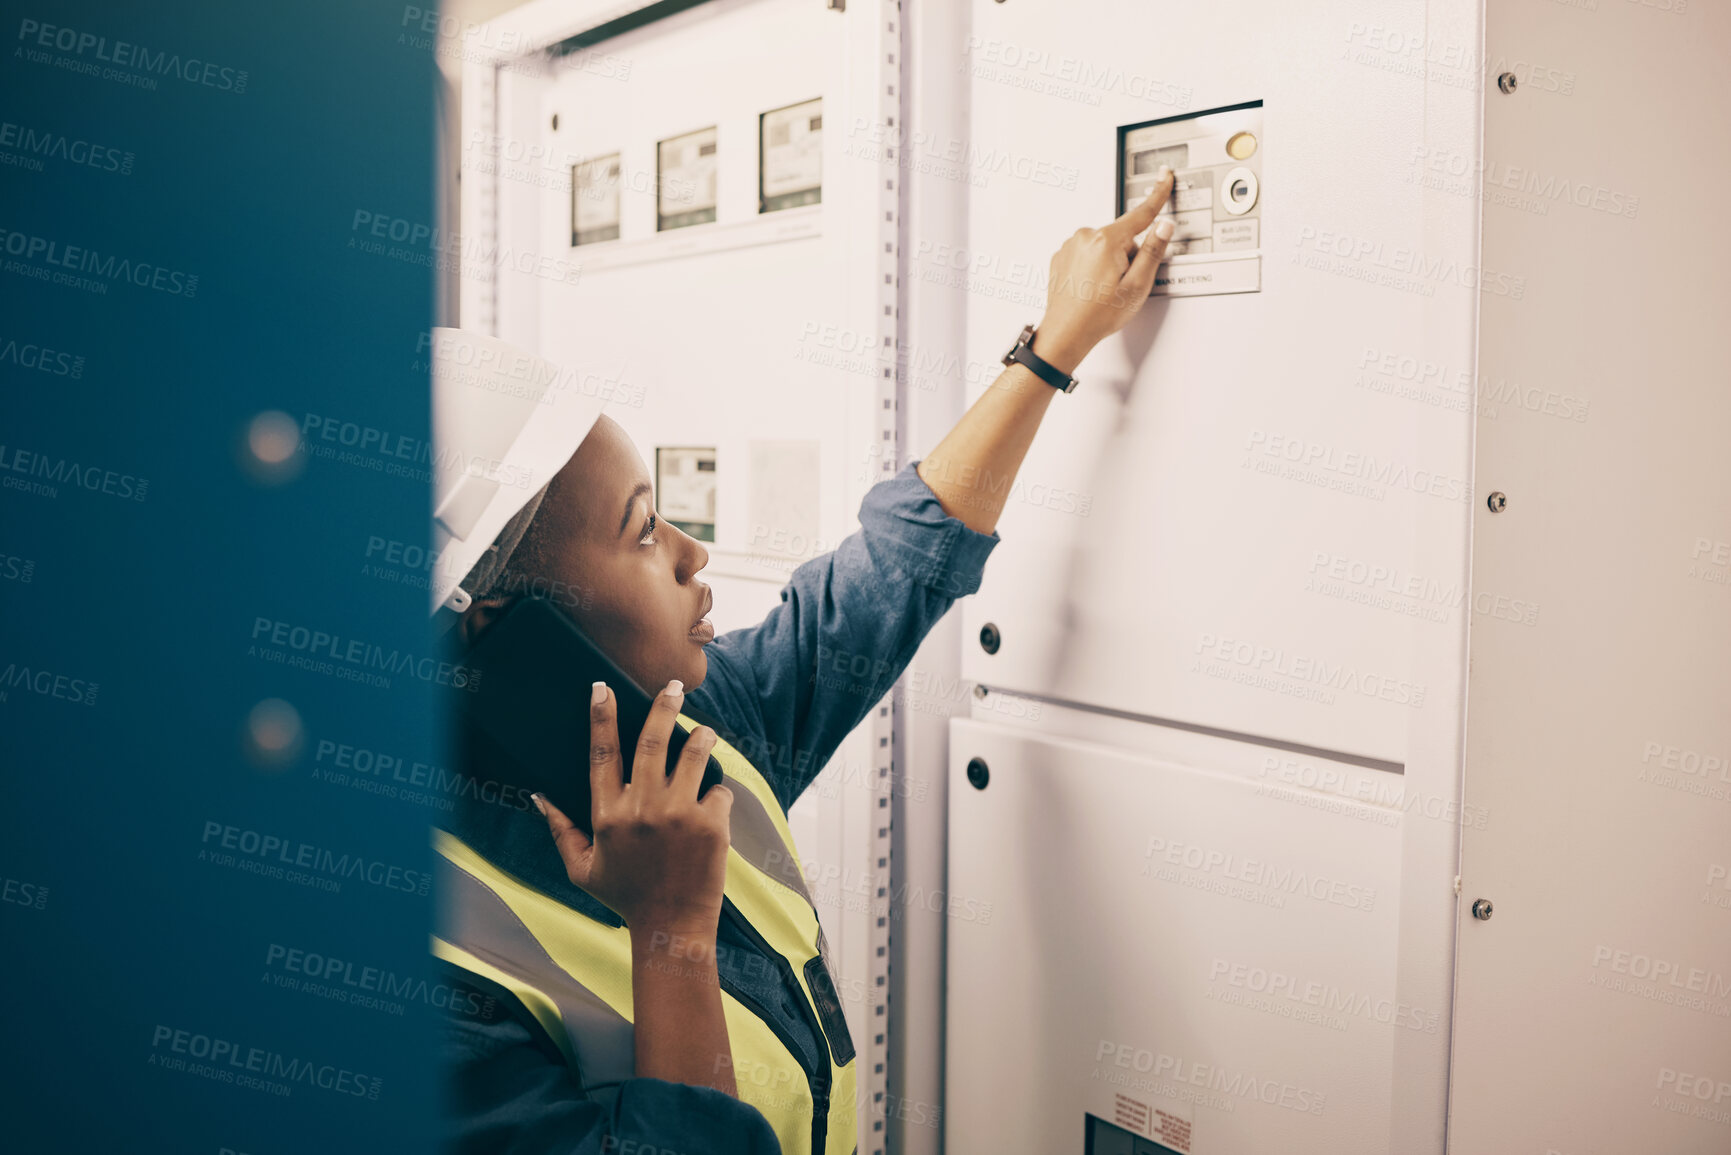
(817, 1078)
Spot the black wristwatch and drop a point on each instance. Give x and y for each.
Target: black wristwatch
(1023, 352)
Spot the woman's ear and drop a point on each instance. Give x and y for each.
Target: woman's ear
(481, 613)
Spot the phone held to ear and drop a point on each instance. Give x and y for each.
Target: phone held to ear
(532, 705)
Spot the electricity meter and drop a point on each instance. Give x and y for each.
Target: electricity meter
(1216, 201)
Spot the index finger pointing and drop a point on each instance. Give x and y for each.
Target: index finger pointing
(1142, 214)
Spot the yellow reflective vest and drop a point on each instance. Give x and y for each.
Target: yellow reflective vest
(572, 973)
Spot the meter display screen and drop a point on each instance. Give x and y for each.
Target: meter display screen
(790, 157)
(1148, 162)
(595, 200)
(685, 184)
(685, 489)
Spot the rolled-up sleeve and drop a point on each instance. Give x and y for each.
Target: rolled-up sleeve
(508, 1096)
(789, 689)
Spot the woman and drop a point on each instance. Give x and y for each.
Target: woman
(645, 989)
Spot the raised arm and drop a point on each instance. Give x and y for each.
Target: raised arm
(1098, 280)
(788, 690)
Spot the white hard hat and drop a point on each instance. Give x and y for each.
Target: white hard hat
(504, 422)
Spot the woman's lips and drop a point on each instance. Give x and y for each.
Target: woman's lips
(704, 631)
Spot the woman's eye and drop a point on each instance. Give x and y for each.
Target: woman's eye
(648, 537)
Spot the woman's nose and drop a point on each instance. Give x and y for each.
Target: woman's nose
(692, 558)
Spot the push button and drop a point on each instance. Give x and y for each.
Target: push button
(1238, 191)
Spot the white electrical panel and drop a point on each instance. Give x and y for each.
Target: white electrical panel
(1251, 514)
(1248, 527)
(660, 211)
(1215, 973)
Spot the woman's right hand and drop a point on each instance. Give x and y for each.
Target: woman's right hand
(659, 854)
(659, 859)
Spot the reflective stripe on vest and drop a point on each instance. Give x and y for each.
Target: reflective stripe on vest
(573, 974)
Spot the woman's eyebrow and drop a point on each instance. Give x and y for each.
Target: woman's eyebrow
(631, 503)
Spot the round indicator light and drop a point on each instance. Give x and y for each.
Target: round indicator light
(1241, 146)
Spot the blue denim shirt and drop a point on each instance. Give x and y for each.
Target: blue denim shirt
(786, 692)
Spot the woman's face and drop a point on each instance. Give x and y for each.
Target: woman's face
(629, 579)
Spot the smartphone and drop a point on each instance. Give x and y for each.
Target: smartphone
(531, 704)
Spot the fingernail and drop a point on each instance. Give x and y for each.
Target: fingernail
(598, 694)
(539, 801)
(675, 688)
(1164, 229)
(1165, 171)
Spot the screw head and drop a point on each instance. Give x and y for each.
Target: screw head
(1498, 501)
(989, 638)
(1482, 909)
(1507, 82)
(978, 774)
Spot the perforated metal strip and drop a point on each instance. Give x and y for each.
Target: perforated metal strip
(891, 204)
(482, 182)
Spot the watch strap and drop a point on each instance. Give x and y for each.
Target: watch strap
(1022, 353)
